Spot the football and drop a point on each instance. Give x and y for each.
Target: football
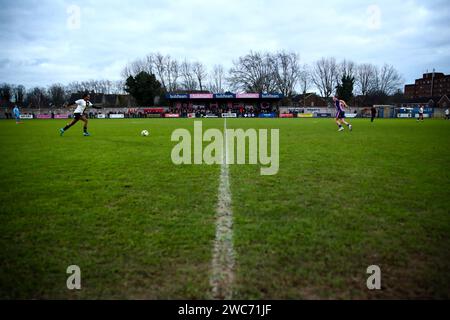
(144, 133)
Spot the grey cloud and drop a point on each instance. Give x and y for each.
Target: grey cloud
(41, 49)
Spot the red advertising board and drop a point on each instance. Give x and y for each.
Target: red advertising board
(286, 115)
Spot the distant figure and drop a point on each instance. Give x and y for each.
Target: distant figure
(340, 114)
(447, 114)
(421, 112)
(16, 113)
(374, 113)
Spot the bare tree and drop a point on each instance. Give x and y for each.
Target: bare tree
(253, 72)
(138, 66)
(110, 86)
(6, 92)
(107, 87)
(148, 64)
(257, 72)
(19, 94)
(305, 79)
(160, 64)
(96, 86)
(173, 73)
(287, 72)
(388, 80)
(187, 74)
(71, 87)
(37, 97)
(163, 67)
(168, 71)
(217, 79)
(200, 73)
(57, 94)
(365, 79)
(347, 68)
(118, 87)
(324, 76)
(88, 86)
(126, 72)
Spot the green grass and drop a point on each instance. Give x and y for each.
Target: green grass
(140, 227)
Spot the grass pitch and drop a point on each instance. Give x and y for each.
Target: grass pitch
(140, 227)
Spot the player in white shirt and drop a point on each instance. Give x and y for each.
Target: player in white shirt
(79, 114)
(447, 114)
(421, 111)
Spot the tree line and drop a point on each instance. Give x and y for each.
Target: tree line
(281, 72)
(56, 95)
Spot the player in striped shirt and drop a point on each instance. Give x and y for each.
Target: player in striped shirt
(340, 114)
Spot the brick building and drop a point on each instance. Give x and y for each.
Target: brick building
(435, 84)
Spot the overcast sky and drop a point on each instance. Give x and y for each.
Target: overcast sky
(45, 42)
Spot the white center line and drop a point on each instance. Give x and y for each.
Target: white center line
(223, 255)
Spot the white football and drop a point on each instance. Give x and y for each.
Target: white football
(144, 133)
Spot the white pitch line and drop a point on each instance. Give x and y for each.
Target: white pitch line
(223, 254)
